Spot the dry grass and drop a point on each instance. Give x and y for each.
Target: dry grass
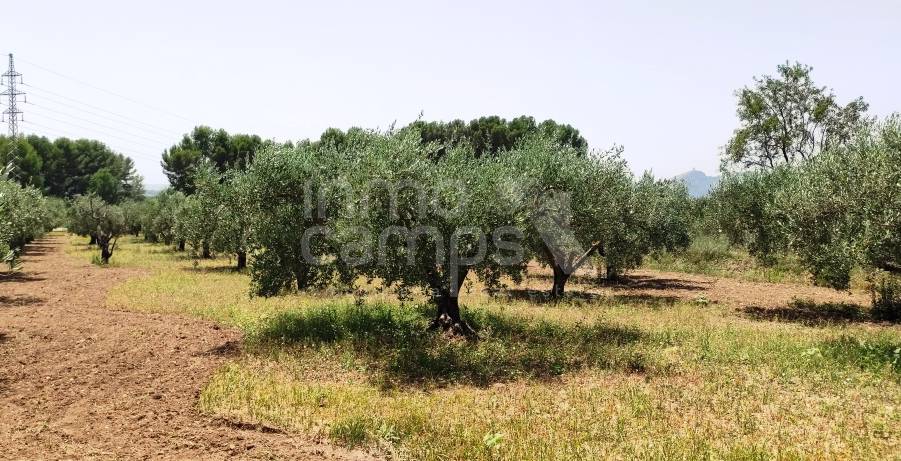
(713, 255)
(683, 378)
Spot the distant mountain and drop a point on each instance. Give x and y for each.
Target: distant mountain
(698, 183)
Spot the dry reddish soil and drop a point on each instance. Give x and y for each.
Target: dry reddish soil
(733, 292)
(755, 300)
(78, 381)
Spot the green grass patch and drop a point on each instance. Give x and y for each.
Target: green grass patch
(876, 354)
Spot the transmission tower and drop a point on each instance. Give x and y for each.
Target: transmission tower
(12, 114)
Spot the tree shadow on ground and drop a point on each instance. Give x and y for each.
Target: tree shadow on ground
(578, 279)
(811, 313)
(576, 296)
(20, 277)
(544, 296)
(213, 270)
(9, 301)
(37, 249)
(629, 281)
(397, 348)
(647, 282)
(646, 300)
(163, 249)
(226, 349)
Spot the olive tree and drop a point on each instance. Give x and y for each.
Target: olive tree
(573, 204)
(158, 222)
(24, 216)
(386, 209)
(106, 222)
(416, 222)
(134, 215)
(844, 207)
(656, 217)
(581, 208)
(745, 211)
(287, 192)
(196, 220)
(232, 230)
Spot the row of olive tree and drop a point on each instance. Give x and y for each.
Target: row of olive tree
(390, 209)
(25, 214)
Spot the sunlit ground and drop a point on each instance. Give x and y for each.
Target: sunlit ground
(593, 377)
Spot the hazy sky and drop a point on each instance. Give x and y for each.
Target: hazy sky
(656, 77)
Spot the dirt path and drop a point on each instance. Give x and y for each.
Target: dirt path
(760, 300)
(80, 381)
(734, 292)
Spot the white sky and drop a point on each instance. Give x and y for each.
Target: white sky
(656, 77)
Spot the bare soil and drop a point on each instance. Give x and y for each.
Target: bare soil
(80, 381)
(756, 300)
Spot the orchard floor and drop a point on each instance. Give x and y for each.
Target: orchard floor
(162, 356)
(80, 381)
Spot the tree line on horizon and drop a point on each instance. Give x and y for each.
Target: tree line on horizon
(67, 168)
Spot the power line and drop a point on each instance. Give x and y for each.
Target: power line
(56, 133)
(41, 90)
(158, 131)
(42, 107)
(126, 98)
(146, 156)
(94, 129)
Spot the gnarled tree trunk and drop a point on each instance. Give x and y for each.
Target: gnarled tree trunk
(560, 279)
(242, 259)
(612, 273)
(205, 250)
(181, 245)
(448, 318)
(106, 248)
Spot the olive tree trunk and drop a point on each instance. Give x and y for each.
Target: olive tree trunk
(560, 279)
(242, 259)
(447, 300)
